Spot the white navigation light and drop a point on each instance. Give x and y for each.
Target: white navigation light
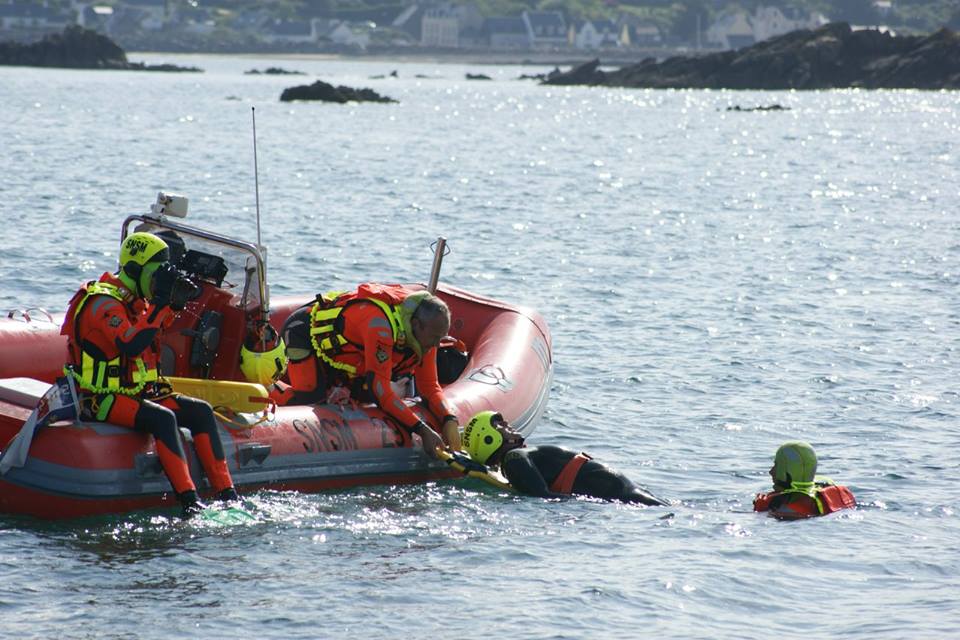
(170, 204)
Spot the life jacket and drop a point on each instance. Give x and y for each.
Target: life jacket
(827, 497)
(563, 483)
(110, 371)
(327, 322)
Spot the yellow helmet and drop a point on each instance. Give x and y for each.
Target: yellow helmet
(263, 367)
(141, 254)
(488, 437)
(480, 438)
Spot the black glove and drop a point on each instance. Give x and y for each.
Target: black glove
(163, 279)
(184, 290)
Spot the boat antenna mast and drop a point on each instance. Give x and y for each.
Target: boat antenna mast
(260, 324)
(256, 174)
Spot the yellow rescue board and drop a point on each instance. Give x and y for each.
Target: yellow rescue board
(242, 397)
(462, 463)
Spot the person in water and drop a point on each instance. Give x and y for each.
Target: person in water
(798, 492)
(546, 471)
(355, 344)
(112, 327)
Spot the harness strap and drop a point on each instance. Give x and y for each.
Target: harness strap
(563, 483)
(326, 330)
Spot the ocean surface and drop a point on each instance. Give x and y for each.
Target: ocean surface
(717, 282)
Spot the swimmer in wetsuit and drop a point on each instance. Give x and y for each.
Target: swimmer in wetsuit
(546, 471)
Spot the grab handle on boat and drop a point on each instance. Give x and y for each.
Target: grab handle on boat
(25, 313)
(439, 250)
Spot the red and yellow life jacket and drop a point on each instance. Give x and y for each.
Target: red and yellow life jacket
(97, 364)
(824, 499)
(327, 325)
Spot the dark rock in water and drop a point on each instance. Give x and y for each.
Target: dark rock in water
(833, 56)
(139, 66)
(540, 76)
(273, 71)
(324, 92)
(586, 73)
(76, 48)
(478, 76)
(771, 107)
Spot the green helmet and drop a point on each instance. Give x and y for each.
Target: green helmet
(794, 462)
(480, 438)
(141, 254)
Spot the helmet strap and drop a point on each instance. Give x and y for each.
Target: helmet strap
(130, 282)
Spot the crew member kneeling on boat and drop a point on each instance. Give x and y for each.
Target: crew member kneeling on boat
(112, 326)
(358, 342)
(798, 492)
(546, 471)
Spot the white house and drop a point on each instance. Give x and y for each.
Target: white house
(341, 32)
(93, 16)
(731, 31)
(773, 21)
(440, 27)
(594, 34)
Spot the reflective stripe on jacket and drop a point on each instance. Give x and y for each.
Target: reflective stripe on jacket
(327, 330)
(102, 368)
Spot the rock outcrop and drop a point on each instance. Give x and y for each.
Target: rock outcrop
(833, 56)
(273, 71)
(76, 48)
(324, 92)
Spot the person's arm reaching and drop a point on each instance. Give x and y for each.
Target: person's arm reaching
(428, 386)
(377, 354)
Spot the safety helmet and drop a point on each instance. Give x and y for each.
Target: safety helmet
(263, 367)
(481, 438)
(794, 462)
(141, 254)
(487, 437)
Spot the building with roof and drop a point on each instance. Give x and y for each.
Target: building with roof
(506, 32)
(440, 28)
(594, 34)
(547, 29)
(27, 22)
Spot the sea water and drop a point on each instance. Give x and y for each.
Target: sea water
(717, 282)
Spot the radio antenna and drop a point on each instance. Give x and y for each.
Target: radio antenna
(256, 172)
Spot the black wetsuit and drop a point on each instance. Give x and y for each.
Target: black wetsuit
(532, 470)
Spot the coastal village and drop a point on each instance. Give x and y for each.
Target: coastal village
(441, 27)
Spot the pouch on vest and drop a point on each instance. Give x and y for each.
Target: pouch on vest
(835, 498)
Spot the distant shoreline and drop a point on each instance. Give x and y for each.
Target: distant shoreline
(527, 59)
